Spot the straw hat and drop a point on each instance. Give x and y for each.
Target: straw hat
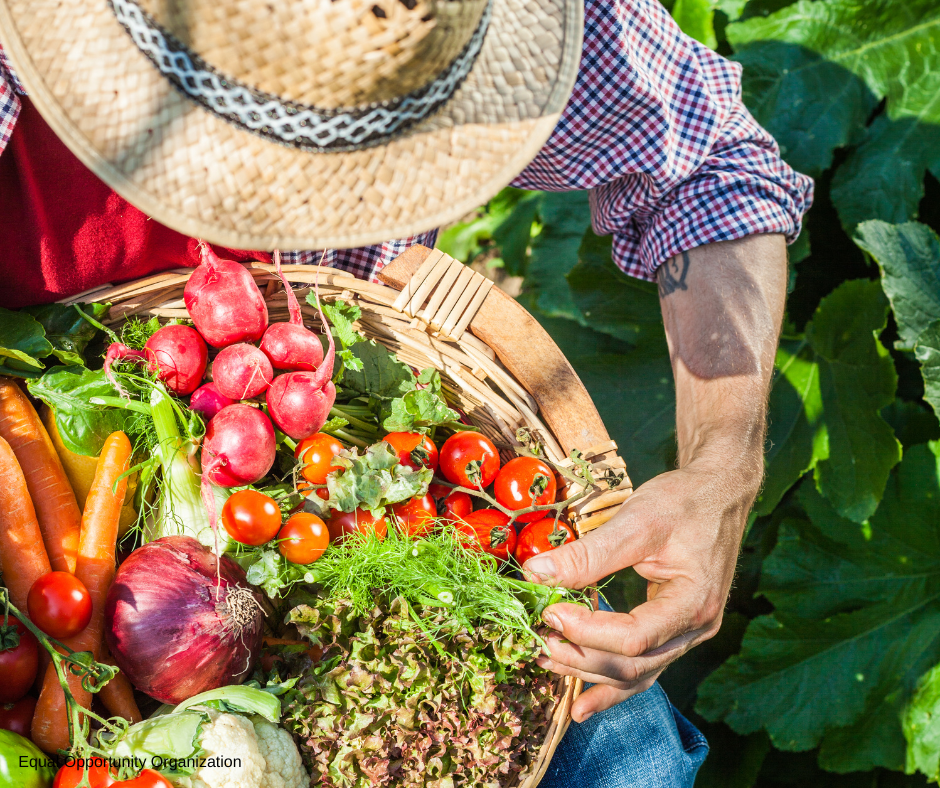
(301, 124)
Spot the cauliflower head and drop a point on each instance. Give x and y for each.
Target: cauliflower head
(285, 769)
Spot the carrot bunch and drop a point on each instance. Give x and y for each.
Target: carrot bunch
(42, 529)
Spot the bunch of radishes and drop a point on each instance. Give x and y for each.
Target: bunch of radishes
(229, 313)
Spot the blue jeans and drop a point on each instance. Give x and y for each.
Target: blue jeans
(643, 742)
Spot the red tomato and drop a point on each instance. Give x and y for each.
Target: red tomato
(416, 517)
(99, 776)
(58, 603)
(451, 505)
(488, 530)
(468, 459)
(540, 537)
(317, 453)
(525, 482)
(360, 521)
(18, 717)
(148, 778)
(305, 538)
(413, 449)
(305, 489)
(18, 665)
(251, 517)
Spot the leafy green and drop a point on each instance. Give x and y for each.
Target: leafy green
(922, 727)
(374, 480)
(927, 351)
(82, 425)
(66, 330)
(857, 605)
(909, 258)
(418, 410)
(696, 18)
(341, 317)
(380, 373)
(22, 343)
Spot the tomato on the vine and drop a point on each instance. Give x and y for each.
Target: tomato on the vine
(18, 664)
(18, 717)
(469, 459)
(251, 517)
(360, 521)
(304, 538)
(59, 604)
(523, 482)
(540, 537)
(413, 449)
(451, 504)
(316, 452)
(488, 530)
(148, 778)
(99, 776)
(416, 516)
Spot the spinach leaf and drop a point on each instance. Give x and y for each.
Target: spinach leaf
(22, 343)
(67, 331)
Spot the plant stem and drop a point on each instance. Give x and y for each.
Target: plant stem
(100, 326)
(345, 436)
(126, 404)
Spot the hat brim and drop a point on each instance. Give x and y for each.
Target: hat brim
(207, 178)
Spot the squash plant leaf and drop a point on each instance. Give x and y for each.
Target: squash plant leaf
(856, 623)
(828, 390)
(927, 351)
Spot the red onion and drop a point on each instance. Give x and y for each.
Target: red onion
(178, 623)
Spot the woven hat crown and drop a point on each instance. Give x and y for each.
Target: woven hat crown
(326, 53)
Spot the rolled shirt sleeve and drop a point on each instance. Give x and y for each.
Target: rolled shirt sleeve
(657, 131)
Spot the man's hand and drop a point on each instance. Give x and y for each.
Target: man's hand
(722, 307)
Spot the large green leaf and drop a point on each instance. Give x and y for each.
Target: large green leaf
(82, 425)
(824, 415)
(67, 331)
(922, 726)
(856, 622)
(22, 342)
(909, 258)
(892, 48)
(927, 351)
(697, 19)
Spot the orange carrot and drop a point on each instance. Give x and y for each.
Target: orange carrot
(118, 694)
(23, 557)
(95, 568)
(56, 508)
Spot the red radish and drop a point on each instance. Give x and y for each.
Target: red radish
(241, 371)
(290, 345)
(300, 402)
(224, 301)
(207, 400)
(238, 448)
(119, 352)
(179, 356)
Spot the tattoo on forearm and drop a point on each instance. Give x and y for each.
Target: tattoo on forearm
(672, 275)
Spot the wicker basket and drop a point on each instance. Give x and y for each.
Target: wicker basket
(497, 365)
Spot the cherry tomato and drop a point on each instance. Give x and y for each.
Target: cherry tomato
(18, 717)
(451, 505)
(305, 489)
(18, 665)
(99, 776)
(413, 449)
(468, 459)
(540, 537)
(59, 604)
(488, 530)
(416, 517)
(317, 453)
(304, 538)
(148, 778)
(524, 482)
(251, 517)
(360, 521)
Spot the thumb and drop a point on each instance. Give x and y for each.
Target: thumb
(582, 562)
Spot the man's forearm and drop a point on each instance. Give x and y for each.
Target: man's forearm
(722, 307)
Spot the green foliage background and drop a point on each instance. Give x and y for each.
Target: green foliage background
(835, 614)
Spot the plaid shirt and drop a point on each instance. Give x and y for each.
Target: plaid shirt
(656, 130)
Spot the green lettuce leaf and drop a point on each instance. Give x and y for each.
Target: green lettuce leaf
(856, 619)
(374, 480)
(83, 426)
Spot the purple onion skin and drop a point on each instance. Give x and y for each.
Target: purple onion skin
(165, 629)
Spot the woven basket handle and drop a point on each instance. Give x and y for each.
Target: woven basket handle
(530, 354)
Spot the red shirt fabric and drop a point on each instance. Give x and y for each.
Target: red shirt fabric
(66, 231)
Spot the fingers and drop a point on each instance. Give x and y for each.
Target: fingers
(601, 697)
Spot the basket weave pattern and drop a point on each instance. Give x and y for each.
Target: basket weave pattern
(473, 378)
